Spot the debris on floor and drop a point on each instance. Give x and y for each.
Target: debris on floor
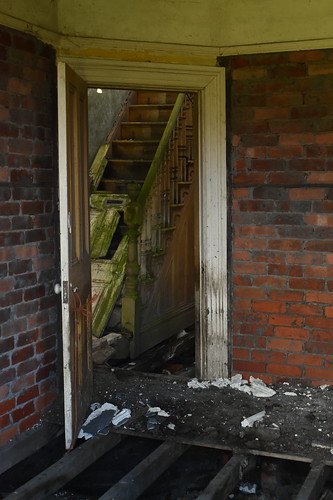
(256, 387)
(250, 421)
(111, 346)
(248, 488)
(213, 414)
(101, 418)
(155, 416)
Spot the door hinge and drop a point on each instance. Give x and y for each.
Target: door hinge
(65, 292)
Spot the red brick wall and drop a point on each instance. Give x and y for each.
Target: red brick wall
(28, 314)
(282, 217)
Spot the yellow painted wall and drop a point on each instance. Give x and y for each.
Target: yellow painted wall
(222, 24)
(36, 13)
(219, 23)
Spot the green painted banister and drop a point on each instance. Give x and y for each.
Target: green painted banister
(155, 164)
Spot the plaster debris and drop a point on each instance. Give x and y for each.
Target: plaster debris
(257, 387)
(153, 410)
(260, 389)
(98, 421)
(152, 423)
(248, 488)
(155, 417)
(171, 427)
(95, 406)
(249, 421)
(195, 384)
(181, 334)
(122, 417)
(290, 393)
(101, 418)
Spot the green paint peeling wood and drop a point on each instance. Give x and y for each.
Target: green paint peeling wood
(98, 166)
(160, 151)
(103, 224)
(104, 199)
(107, 279)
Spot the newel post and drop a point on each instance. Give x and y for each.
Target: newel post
(130, 296)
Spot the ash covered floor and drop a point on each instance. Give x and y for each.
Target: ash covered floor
(297, 420)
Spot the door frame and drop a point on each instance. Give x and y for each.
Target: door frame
(209, 82)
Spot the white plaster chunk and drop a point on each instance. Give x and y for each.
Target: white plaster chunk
(257, 387)
(250, 421)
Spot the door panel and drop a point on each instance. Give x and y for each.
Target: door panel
(75, 257)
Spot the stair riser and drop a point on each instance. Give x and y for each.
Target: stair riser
(134, 151)
(153, 97)
(149, 114)
(142, 131)
(116, 171)
(114, 187)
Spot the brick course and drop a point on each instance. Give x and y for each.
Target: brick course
(282, 223)
(28, 262)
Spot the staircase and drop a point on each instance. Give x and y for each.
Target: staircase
(140, 179)
(130, 156)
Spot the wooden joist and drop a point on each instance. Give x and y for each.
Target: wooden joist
(145, 473)
(314, 483)
(61, 472)
(226, 479)
(28, 443)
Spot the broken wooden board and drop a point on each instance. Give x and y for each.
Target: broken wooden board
(104, 199)
(98, 165)
(107, 278)
(103, 224)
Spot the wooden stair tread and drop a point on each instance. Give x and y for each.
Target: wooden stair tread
(128, 161)
(152, 106)
(136, 141)
(145, 123)
(127, 181)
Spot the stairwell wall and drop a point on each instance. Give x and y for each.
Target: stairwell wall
(103, 109)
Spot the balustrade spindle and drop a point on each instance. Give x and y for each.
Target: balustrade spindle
(148, 224)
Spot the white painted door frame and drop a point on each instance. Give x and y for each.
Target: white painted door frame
(209, 82)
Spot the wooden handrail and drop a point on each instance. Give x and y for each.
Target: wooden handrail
(160, 151)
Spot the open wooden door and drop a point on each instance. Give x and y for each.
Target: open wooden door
(75, 251)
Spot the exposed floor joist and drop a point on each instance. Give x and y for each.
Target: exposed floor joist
(314, 483)
(137, 481)
(33, 440)
(146, 472)
(62, 471)
(227, 478)
(225, 481)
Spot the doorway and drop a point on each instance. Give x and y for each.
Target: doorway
(138, 140)
(209, 83)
